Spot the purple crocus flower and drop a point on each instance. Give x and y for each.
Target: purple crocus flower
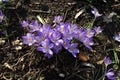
(96, 13)
(79, 33)
(55, 37)
(25, 23)
(71, 31)
(4, 0)
(56, 49)
(46, 47)
(88, 42)
(35, 26)
(107, 61)
(117, 37)
(110, 74)
(46, 30)
(98, 30)
(43, 33)
(81, 36)
(71, 27)
(61, 27)
(66, 43)
(1, 16)
(48, 55)
(119, 73)
(68, 35)
(72, 49)
(29, 39)
(40, 37)
(4, 33)
(58, 19)
(89, 33)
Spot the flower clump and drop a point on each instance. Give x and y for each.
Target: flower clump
(50, 39)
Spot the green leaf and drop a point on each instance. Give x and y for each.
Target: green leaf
(116, 57)
(115, 66)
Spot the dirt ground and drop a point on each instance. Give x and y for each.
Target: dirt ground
(28, 64)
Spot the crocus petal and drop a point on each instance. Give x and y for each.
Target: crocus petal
(117, 37)
(107, 60)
